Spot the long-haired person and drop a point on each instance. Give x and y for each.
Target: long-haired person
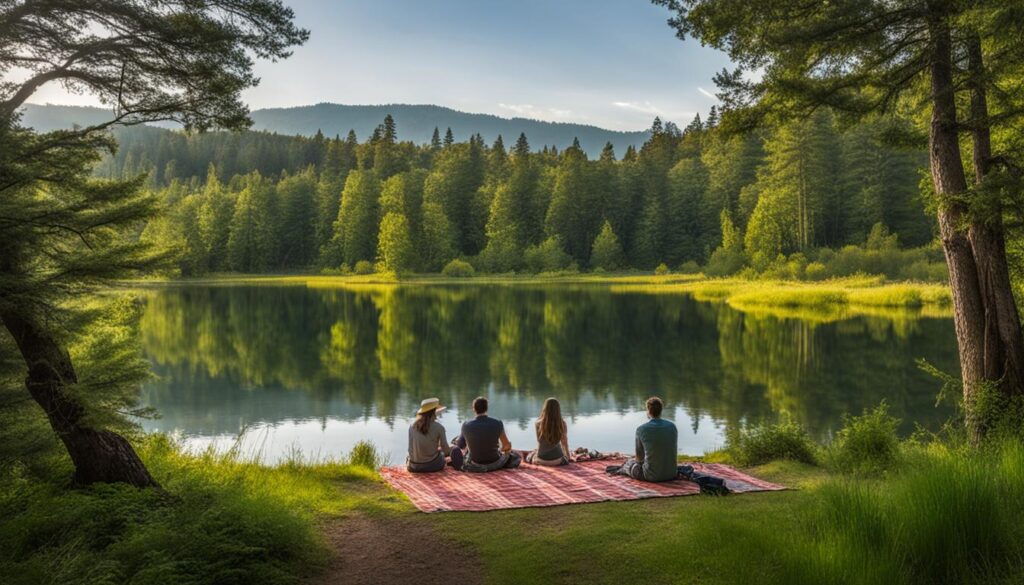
(428, 445)
(552, 436)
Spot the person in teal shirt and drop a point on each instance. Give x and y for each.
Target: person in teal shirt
(656, 448)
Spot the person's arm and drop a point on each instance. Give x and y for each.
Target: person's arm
(565, 442)
(443, 443)
(639, 449)
(506, 445)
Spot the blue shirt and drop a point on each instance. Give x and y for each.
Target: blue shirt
(481, 435)
(656, 447)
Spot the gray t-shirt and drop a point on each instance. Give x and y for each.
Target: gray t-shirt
(549, 451)
(481, 434)
(657, 446)
(423, 447)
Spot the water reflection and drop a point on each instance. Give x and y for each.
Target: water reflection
(322, 368)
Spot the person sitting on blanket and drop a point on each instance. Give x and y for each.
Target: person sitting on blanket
(656, 448)
(427, 443)
(552, 437)
(485, 439)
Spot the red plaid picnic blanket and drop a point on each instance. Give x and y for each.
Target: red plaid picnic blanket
(532, 486)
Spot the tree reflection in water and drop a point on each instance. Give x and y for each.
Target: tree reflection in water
(231, 356)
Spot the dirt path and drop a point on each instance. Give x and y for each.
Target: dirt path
(383, 550)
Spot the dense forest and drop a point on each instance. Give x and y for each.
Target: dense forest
(690, 198)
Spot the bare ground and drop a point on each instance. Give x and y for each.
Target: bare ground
(382, 550)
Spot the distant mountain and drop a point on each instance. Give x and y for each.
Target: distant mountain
(415, 123)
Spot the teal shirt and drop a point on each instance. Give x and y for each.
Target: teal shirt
(656, 446)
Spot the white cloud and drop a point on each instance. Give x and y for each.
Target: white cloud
(538, 113)
(644, 107)
(707, 93)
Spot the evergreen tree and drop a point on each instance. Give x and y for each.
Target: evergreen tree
(214, 213)
(435, 140)
(606, 252)
(449, 138)
(251, 244)
(296, 225)
(356, 228)
(437, 246)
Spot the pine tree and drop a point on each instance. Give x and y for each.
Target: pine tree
(437, 246)
(449, 138)
(297, 220)
(251, 242)
(606, 252)
(435, 140)
(522, 148)
(215, 212)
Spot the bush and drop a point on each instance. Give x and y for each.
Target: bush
(458, 269)
(866, 443)
(689, 267)
(547, 256)
(661, 270)
(725, 262)
(220, 520)
(365, 454)
(364, 267)
(762, 443)
(815, 271)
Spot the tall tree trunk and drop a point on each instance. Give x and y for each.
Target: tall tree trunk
(950, 184)
(1004, 341)
(98, 455)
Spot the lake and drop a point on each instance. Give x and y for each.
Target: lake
(318, 369)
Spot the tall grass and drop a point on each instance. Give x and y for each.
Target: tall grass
(950, 516)
(222, 518)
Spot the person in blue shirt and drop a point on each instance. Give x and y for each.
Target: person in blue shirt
(483, 442)
(656, 448)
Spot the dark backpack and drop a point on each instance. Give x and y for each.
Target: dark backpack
(709, 484)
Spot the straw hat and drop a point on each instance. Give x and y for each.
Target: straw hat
(430, 404)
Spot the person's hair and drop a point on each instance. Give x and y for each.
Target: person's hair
(424, 419)
(480, 405)
(654, 406)
(550, 424)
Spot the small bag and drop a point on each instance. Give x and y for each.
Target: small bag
(709, 484)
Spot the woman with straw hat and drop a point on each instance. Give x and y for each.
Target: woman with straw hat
(428, 445)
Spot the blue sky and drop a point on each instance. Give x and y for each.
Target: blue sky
(610, 63)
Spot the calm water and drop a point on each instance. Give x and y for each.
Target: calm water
(320, 369)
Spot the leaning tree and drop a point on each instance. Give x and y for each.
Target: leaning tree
(63, 233)
(959, 61)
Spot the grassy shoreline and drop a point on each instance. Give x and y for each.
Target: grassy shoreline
(223, 519)
(861, 293)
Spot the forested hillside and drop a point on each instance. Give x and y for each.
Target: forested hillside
(779, 200)
(417, 123)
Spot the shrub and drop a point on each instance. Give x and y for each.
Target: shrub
(365, 454)
(364, 267)
(725, 262)
(662, 269)
(458, 269)
(547, 256)
(689, 267)
(866, 443)
(815, 271)
(762, 443)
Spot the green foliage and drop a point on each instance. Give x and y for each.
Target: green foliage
(606, 253)
(761, 443)
(947, 518)
(683, 197)
(547, 256)
(220, 520)
(689, 267)
(661, 269)
(458, 269)
(394, 244)
(363, 267)
(866, 443)
(365, 454)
